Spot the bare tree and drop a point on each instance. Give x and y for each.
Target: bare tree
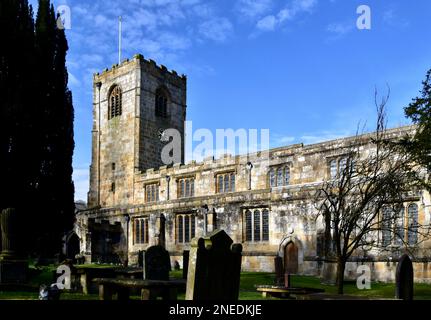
(359, 203)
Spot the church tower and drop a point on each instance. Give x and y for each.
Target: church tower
(132, 104)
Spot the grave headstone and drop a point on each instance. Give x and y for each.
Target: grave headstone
(157, 263)
(140, 258)
(13, 269)
(404, 279)
(279, 271)
(290, 262)
(186, 254)
(214, 268)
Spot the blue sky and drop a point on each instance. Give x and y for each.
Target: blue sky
(300, 68)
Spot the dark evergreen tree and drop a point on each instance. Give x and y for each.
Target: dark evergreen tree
(36, 124)
(419, 111)
(56, 131)
(17, 77)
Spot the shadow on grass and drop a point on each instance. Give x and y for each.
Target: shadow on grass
(248, 283)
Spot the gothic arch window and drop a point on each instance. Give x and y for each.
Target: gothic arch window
(161, 106)
(115, 102)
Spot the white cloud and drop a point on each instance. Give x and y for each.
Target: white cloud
(288, 13)
(391, 18)
(267, 24)
(81, 182)
(280, 140)
(253, 8)
(324, 136)
(73, 81)
(340, 29)
(217, 29)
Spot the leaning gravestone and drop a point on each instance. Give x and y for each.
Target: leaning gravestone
(404, 279)
(157, 263)
(13, 269)
(214, 268)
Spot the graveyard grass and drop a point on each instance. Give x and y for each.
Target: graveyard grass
(247, 287)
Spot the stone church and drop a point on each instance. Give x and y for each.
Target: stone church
(135, 201)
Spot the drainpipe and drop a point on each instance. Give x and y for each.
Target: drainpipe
(168, 179)
(127, 217)
(98, 85)
(249, 167)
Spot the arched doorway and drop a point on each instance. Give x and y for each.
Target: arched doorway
(290, 258)
(72, 246)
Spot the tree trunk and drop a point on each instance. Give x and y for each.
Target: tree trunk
(341, 265)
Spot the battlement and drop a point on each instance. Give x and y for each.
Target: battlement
(279, 152)
(149, 64)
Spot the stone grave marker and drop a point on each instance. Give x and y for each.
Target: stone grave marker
(290, 262)
(186, 254)
(13, 268)
(404, 279)
(279, 271)
(157, 263)
(214, 268)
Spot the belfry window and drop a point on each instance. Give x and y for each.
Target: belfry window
(161, 103)
(115, 103)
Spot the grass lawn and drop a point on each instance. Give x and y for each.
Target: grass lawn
(247, 287)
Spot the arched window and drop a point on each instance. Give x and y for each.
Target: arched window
(115, 102)
(413, 224)
(161, 103)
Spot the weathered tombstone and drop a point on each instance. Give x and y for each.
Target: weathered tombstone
(214, 268)
(13, 269)
(404, 279)
(290, 262)
(157, 263)
(140, 258)
(279, 271)
(186, 254)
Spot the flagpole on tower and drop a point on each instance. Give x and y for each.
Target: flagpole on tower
(119, 38)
